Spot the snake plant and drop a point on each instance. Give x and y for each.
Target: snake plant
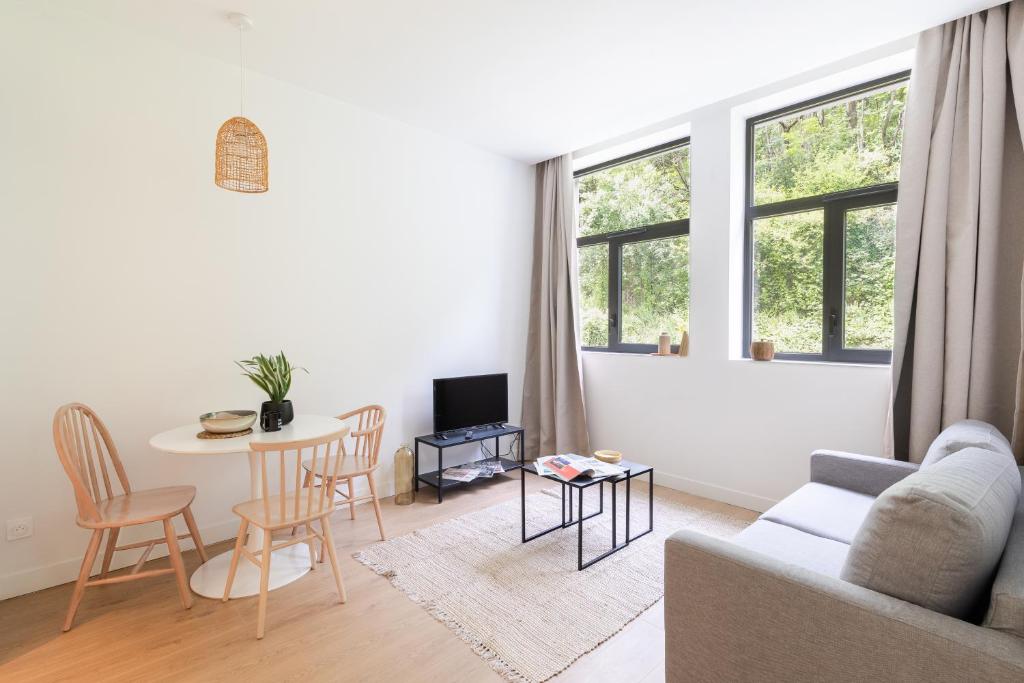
(272, 374)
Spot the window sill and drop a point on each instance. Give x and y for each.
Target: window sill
(828, 363)
(821, 363)
(637, 354)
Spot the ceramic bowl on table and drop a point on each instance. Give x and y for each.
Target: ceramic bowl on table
(612, 457)
(227, 421)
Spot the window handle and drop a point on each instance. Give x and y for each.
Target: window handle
(833, 323)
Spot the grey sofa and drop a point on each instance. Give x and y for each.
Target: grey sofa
(875, 570)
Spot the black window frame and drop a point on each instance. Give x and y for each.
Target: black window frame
(834, 206)
(617, 240)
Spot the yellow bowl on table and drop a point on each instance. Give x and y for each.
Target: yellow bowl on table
(612, 457)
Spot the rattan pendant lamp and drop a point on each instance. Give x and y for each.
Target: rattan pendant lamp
(241, 158)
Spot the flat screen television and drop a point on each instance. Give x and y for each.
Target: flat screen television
(461, 402)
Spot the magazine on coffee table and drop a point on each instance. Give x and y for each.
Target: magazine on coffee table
(570, 466)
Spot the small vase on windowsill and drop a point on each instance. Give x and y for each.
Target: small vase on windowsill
(762, 349)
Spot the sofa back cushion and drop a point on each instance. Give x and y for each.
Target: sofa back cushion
(965, 434)
(1006, 608)
(935, 538)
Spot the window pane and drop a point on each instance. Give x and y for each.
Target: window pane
(647, 191)
(787, 287)
(839, 146)
(655, 289)
(593, 269)
(869, 267)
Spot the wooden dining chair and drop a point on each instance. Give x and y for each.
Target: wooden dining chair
(84, 447)
(367, 427)
(285, 504)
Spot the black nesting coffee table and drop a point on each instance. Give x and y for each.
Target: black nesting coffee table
(633, 470)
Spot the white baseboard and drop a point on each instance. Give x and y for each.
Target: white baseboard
(47, 576)
(713, 491)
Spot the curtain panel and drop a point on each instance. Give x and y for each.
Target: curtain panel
(960, 234)
(554, 415)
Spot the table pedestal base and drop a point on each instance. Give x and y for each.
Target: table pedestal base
(286, 565)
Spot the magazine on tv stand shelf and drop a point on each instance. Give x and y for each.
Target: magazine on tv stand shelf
(484, 469)
(462, 474)
(570, 466)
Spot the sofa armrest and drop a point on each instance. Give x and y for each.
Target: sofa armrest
(738, 615)
(862, 473)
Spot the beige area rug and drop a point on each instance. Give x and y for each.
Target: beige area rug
(523, 607)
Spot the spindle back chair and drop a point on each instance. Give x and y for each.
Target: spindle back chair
(286, 502)
(106, 501)
(367, 424)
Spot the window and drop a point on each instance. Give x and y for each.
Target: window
(634, 249)
(822, 179)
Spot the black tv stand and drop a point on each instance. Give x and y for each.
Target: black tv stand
(444, 440)
(466, 433)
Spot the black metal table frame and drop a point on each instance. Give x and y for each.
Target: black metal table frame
(440, 444)
(627, 477)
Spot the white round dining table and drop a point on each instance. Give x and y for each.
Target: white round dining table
(288, 564)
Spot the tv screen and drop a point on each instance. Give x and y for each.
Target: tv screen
(461, 402)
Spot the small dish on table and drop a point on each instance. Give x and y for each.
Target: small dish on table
(613, 457)
(227, 421)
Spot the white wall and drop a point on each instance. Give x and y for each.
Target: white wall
(713, 423)
(383, 256)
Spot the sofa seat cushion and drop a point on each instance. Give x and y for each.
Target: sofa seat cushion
(1006, 608)
(935, 538)
(822, 555)
(827, 511)
(966, 434)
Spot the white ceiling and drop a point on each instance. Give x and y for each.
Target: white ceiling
(531, 79)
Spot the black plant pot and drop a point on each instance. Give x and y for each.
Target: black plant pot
(284, 409)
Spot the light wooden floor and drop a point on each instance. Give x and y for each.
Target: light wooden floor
(138, 631)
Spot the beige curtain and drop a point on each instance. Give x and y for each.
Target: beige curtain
(960, 234)
(553, 412)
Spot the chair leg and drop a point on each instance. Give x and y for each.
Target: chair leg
(193, 531)
(174, 552)
(332, 486)
(233, 567)
(261, 612)
(325, 524)
(108, 553)
(311, 542)
(376, 505)
(351, 502)
(306, 481)
(83, 575)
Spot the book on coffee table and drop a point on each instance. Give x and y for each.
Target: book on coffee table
(570, 466)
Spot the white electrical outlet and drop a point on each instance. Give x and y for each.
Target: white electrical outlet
(19, 527)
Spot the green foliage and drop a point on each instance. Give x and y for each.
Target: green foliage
(655, 274)
(643, 192)
(788, 281)
(870, 264)
(841, 146)
(655, 289)
(838, 147)
(272, 374)
(593, 278)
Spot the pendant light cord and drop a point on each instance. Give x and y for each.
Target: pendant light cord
(241, 73)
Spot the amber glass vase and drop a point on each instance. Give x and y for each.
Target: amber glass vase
(404, 493)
